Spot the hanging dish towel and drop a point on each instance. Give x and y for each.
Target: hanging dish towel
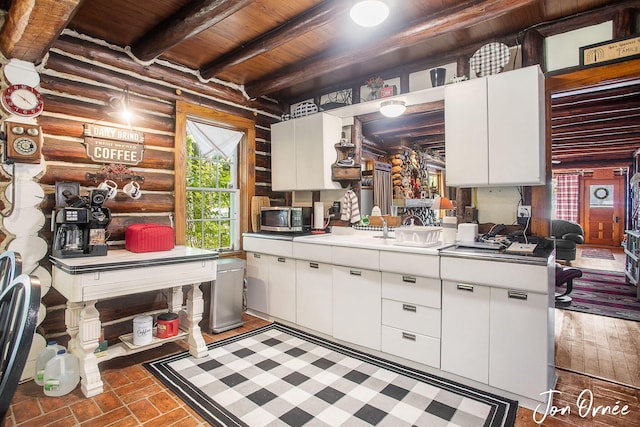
(350, 210)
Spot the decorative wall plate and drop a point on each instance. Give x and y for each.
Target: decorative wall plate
(490, 59)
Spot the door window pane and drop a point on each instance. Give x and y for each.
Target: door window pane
(601, 196)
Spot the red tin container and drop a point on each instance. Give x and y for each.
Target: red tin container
(167, 325)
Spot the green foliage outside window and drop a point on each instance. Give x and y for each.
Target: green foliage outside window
(210, 199)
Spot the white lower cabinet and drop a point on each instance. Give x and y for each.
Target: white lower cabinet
(257, 282)
(496, 336)
(411, 317)
(357, 310)
(314, 296)
(282, 288)
(271, 285)
(465, 330)
(518, 359)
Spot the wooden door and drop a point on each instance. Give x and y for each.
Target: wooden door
(603, 209)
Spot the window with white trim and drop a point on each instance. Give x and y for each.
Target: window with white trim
(212, 194)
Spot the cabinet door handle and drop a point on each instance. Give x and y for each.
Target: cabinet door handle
(355, 272)
(281, 259)
(409, 279)
(256, 255)
(408, 336)
(407, 307)
(463, 287)
(313, 264)
(518, 295)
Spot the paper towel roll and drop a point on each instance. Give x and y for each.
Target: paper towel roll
(449, 229)
(318, 215)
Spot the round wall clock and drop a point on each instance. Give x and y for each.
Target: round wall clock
(22, 100)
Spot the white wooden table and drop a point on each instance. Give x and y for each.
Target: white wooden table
(85, 281)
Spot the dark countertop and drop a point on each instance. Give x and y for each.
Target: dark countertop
(539, 257)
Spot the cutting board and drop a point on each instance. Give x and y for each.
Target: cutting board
(392, 221)
(256, 203)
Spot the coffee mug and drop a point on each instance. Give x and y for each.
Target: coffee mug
(132, 189)
(110, 186)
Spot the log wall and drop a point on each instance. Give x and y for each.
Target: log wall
(78, 77)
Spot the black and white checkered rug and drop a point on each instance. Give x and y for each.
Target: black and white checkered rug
(281, 376)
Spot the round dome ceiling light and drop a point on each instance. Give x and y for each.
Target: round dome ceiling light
(369, 13)
(392, 108)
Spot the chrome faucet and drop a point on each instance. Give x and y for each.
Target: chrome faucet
(385, 228)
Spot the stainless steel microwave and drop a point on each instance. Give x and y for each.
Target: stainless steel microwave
(285, 219)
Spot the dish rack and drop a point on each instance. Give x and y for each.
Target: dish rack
(418, 235)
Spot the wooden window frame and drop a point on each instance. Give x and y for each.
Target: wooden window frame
(246, 162)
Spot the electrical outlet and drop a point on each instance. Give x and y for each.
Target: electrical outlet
(524, 211)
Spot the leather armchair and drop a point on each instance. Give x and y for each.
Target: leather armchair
(567, 235)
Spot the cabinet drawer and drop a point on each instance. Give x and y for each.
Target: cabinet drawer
(407, 263)
(312, 252)
(268, 246)
(510, 275)
(405, 287)
(109, 284)
(356, 257)
(411, 317)
(412, 346)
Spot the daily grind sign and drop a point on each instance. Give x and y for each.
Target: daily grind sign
(113, 145)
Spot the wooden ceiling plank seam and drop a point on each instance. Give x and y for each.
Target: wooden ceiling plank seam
(189, 21)
(600, 108)
(591, 121)
(632, 94)
(633, 112)
(310, 20)
(461, 16)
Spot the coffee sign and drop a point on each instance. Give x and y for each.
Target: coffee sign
(113, 145)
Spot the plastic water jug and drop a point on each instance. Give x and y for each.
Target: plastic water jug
(61, 374)
(45, 355)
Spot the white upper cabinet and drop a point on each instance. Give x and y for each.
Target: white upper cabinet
(302, 152)
(495, 130)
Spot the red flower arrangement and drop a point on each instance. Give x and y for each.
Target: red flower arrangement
(374, 82)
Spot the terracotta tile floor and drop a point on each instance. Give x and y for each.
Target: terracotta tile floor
(133, 397)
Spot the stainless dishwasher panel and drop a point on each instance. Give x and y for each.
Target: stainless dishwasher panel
(226, 298)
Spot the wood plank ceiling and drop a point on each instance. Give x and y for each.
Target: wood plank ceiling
(292, 50)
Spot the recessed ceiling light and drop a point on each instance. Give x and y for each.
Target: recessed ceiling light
(369, 13)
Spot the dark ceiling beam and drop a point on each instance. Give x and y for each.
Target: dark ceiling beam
(188, 22)
(310, 20)
(452, 19)
(31, 27)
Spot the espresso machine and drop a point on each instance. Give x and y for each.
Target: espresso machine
(79, 222)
